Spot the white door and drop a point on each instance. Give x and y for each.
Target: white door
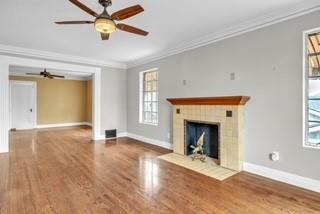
(23, 104)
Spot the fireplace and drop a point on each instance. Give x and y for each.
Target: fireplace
(222, 120)
(193, 131)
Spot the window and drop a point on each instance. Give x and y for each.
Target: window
(149, 83)
(312, 89)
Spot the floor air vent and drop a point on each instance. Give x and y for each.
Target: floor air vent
(111, 133)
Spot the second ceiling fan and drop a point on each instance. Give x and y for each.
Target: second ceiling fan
(105, 23)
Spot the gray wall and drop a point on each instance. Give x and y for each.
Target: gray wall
(113, 99)
(268, 67)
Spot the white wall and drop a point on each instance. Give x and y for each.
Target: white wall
(4, 106)
(113, 100)
(268, 67)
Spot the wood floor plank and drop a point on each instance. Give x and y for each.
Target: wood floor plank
(62, 171)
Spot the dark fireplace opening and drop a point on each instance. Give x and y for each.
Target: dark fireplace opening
(194, 130)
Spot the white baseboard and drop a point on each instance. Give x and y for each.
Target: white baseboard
(87, 124)
(150, 141)
(123, 134)
(296, 180)
(63, 125)
(159, 143)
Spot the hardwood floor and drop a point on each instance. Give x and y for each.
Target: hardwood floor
(61, 171)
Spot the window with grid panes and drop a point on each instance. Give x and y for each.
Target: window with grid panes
(150, 97)
(312, 89)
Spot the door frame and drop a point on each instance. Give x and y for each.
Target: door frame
(34, 105)
(7, 61)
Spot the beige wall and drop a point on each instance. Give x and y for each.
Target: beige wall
(89, 101)
(61, 101)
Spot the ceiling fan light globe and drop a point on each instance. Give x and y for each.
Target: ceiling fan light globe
(104, 25)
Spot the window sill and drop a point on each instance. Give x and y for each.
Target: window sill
(311, 147)
(149, 124)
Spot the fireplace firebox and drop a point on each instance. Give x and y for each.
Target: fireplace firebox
(194, 130)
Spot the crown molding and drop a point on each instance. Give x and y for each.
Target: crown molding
(25, 52)
(251, 25)
(67, 77)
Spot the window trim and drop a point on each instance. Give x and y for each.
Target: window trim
(305, 90)
(141, 97)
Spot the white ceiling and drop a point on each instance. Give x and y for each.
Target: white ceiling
(30, 24)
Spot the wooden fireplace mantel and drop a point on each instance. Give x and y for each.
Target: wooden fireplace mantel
(231, 100)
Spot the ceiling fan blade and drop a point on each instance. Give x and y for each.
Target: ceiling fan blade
(58, 76)
(50, 76)
(34, 74)
(127, 12)
(131, 29)
(84, 7)
(105, 36)
(73, 22)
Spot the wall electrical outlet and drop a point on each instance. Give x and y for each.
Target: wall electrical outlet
(274, 156)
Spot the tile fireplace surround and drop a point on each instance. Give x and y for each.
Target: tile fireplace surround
(216, 110)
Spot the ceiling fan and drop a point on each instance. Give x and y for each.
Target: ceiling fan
(46, 74)
(105, 23)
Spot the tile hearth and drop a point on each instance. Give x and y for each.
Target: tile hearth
(209, 168)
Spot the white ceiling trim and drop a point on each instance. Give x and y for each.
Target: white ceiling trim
(260, 22)
(28, 69)
(67, 77)
(25, 52)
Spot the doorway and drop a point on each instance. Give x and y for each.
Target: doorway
(7, 61)
(23, 105)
